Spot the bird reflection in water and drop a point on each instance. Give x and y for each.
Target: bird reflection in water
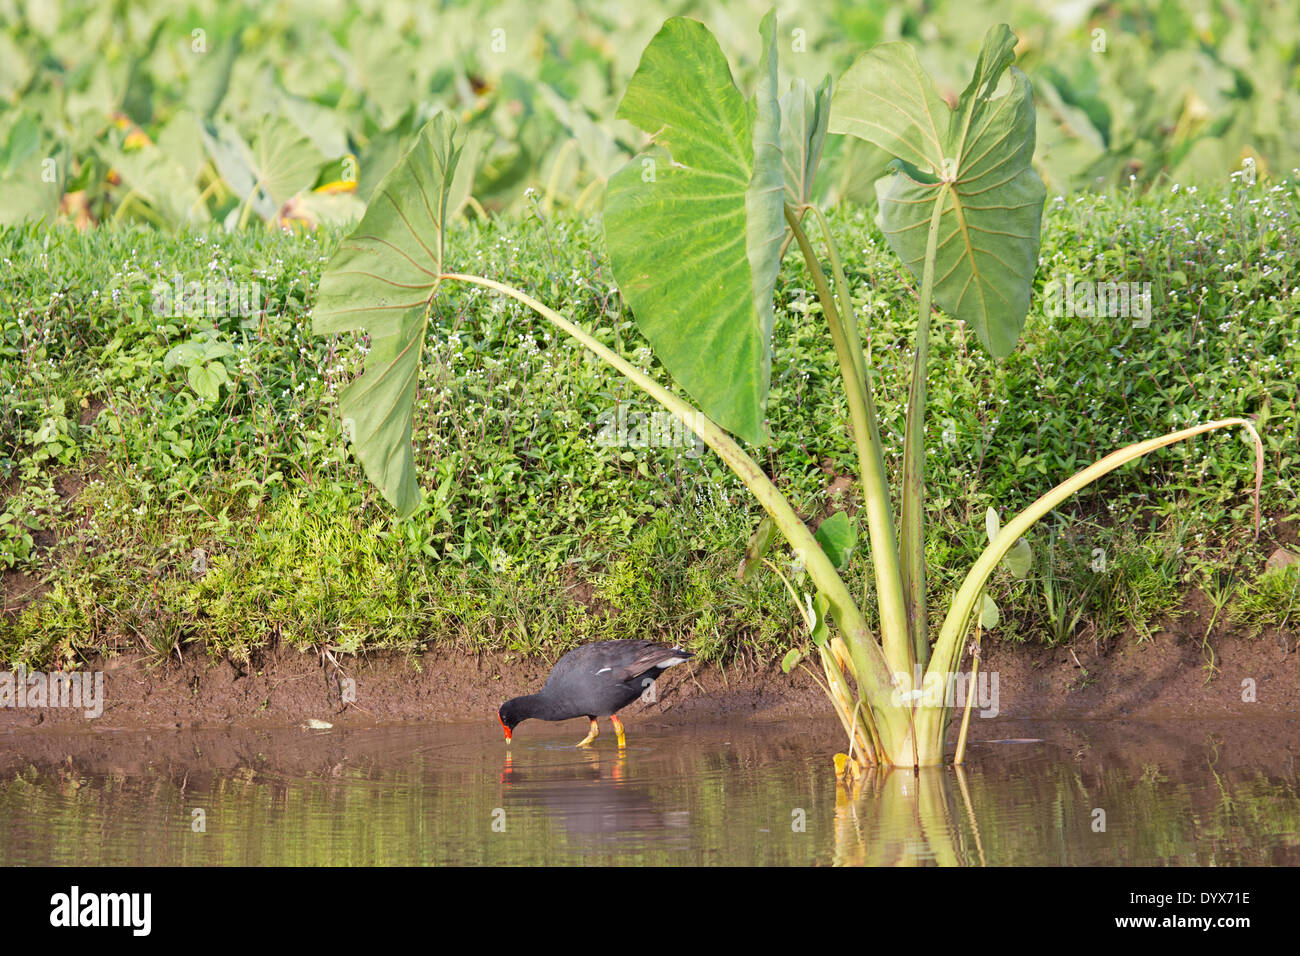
(593, 798)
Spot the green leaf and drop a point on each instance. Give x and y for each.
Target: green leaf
(1069, 145)
(383, 279)
(167, 186)
(973, 161)
(792, 657)
(694, 224)
(1019, 559)
(804, 115)
(600, 150)
(470, 157)
(210, 80)
(217, 349)
(186, 354)
(989, 616)
(206, 380)
(765, 195)
(838, 538)
(760, 542)
(821, 609)
(287, 161)
(25, 155)
(281, 164)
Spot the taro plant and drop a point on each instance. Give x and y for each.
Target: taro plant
(696, 227)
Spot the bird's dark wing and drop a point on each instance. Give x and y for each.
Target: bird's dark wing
(652, 657)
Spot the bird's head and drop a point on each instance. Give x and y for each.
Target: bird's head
(510, 715)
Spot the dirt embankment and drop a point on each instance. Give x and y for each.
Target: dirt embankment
(1162, 678)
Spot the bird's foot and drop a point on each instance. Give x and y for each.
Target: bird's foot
(591, 735)
(618, 730)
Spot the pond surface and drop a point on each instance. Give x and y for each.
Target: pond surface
(1088, 793)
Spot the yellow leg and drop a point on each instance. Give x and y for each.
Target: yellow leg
(618, 729)
(591, 735)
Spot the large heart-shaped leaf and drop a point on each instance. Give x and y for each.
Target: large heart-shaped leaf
(974, 161)
(383, 278)
(694, 225)
(282, 163)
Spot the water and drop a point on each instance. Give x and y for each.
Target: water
(1185, 793)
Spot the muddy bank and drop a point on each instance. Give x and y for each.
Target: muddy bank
(1156, 679)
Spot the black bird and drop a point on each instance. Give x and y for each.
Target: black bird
(591, 681)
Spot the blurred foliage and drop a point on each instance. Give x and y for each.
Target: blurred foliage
(291, 113)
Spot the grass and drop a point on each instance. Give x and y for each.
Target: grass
(1271, 600)
(156, 517)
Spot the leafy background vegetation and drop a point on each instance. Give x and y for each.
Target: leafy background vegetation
(292, 112)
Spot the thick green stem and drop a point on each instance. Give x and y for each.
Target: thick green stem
(850, 323)
(875, 485)
(912, 529)
(846, 311)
